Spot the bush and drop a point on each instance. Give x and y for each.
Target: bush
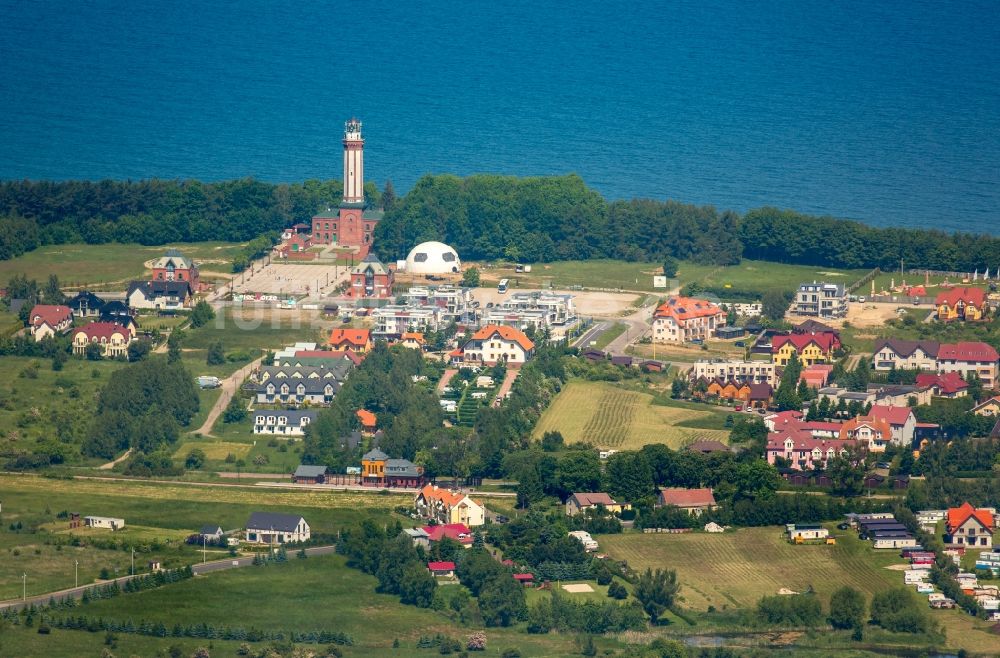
(793, 610)
(617, 591)
(510, 653)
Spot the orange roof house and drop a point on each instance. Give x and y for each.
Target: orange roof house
(498, 343)
(969, 526)
(693, 501)
(413, 339)
(682, 319)
(357, 340)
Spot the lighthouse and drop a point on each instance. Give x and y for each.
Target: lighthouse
(351, 225)
(354, 163)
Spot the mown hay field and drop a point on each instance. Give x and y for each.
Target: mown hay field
(607, 416)
(737, 568)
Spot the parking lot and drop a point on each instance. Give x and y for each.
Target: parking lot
(299, 280)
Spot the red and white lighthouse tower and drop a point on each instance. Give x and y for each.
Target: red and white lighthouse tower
(352, 225)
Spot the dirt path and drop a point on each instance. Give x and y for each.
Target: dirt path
(111, 464)
(229, 386)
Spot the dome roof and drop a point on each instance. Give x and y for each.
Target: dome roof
(433, 258)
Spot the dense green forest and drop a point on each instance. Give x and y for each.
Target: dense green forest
(482, 216)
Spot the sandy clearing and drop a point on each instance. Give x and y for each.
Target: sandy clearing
(578, 588)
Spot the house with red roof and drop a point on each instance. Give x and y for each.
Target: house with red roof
(968, 526)
(817, 375)
(457, 531)
(682, 319)
(802, 451)
(810, 348)
(112, 338)
(413, 339)
(497, 343)
(949, 385)
(46, 320)
(969, 357)
(355, 340)
(441, 569)
(781, 418)
(902, 423)
(873, 433)
(368, 420)
(961, 303)
(692, 501)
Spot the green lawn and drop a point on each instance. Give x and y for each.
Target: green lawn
(318, 593)
(93, 265)
(252, 329)
(748, 275)
(151, 511)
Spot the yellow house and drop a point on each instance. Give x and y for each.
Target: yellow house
(810, 348)
(990, 407)
(961, 304)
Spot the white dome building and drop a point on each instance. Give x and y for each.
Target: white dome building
(433, 258)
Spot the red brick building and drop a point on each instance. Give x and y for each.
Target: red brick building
(351, 225)
(370, 278)
(174, 266)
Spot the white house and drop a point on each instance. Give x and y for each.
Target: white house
(46, 320)
(589, 544)
(447, 507)
(282, 422)
(494, 344)
(160, 295)
(275, 528)
(806, 531)
(109, 522)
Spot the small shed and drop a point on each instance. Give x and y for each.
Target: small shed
(307, 474)
(108, 522)
(211, 532)
(622, 360)
(525, 579)
(652, 365)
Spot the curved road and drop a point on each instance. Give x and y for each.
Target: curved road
(229, 386)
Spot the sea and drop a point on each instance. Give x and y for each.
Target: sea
(882, 111)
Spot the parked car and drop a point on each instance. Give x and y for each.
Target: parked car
(843, 526)
(740, 343)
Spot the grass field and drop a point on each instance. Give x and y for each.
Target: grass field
(91, 265)
(737, 568)
(151, 510)
(37, 402)
(748, 275)
(608, 416)
(318, 593)
(252, 330)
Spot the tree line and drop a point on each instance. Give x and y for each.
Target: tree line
(483, 216)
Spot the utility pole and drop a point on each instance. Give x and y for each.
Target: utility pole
(133, 561)
(24, 587)
(203, 543)
(76, 576)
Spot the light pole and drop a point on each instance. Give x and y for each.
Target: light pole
(203, 543)
(133, 561)
(76, 574)
(24, 587)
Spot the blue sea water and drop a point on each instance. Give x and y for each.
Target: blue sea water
(888, 112)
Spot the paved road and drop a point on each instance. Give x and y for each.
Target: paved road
(198, 569)
(229, 386)
(596, 330)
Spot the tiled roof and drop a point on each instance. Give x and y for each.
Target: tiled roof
(441, 566)
(352, 337)
(506, 333)
(687, 308)
(307, 471)
(366, 417)
(891, 414)
(878, 425)
(906, 348)
(963, 294)
(49, 313)
(457, 531)
(959, 515)
(802, 440)
(761, 391)
(374, 455)
(446, 496)
(967, 351)
(101, 330)
(947, 383)
(413, 335)
(825, 341)
(273, 521)
(588, 499)
(687, 497)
